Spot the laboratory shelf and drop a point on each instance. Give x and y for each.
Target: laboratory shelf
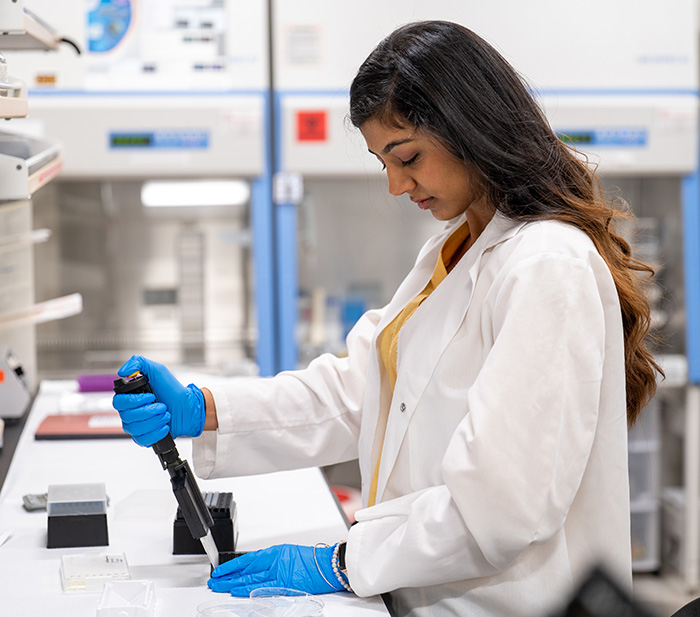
(13, 99)
(26, 164)
(22, 29)
(45, 172)
(638, 447)
(645, 536)
(644, 448)
(41, 312)
(643, 504)
(13, 242)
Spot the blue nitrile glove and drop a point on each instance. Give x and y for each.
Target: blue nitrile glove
(285, 565)
(179, 411)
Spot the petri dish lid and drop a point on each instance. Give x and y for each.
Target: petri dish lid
(127, 599)
(283, 602)
(227, 608)
(265, 602)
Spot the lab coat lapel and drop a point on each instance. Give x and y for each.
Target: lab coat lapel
(425, 336)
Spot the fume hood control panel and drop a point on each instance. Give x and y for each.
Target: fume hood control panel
(620, 135)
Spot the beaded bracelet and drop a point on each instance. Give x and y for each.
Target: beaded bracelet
(336, 569)
(323, 545)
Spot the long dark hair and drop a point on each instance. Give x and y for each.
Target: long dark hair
(442, 78)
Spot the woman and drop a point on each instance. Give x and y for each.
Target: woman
(488, 403)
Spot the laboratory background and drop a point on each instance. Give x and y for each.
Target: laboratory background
(179, 179)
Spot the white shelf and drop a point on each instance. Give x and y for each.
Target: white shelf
(41, 312)
(643, 447)
(21, 29)
(649, 564)
(676, 368)
(11, 243)
(644, 505)
(26, 164)
(13, 99)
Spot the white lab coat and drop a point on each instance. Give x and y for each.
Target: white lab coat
(504, 469)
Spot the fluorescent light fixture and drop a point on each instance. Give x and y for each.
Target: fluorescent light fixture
(194, 193)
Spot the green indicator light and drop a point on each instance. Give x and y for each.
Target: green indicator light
(131, 141)
(576, 138)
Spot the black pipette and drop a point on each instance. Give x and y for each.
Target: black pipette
(187, 493)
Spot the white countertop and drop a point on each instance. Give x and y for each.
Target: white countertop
(295, 507)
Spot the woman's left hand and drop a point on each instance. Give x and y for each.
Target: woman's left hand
(303, 568)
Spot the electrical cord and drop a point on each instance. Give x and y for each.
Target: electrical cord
(71, 43)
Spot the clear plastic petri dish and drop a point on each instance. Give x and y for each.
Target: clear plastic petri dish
(227, 608)
(127, 599)
(283, 602)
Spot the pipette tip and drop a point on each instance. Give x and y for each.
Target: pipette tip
(210, 548)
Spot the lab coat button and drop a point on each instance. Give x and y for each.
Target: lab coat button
(402, 407)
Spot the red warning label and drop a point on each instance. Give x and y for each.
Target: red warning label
(311, 125)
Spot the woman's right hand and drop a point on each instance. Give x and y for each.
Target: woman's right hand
(174, 409)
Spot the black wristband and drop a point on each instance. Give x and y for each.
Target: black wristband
(341, 556)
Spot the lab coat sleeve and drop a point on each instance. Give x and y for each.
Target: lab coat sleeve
(296, 419)
(515, 462)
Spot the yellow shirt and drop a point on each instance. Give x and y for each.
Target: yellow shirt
(452, 251)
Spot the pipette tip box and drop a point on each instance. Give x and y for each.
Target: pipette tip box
(77, 515)
(223, 512)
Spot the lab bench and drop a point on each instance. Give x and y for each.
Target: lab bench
(10, 438)
(295, 507)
